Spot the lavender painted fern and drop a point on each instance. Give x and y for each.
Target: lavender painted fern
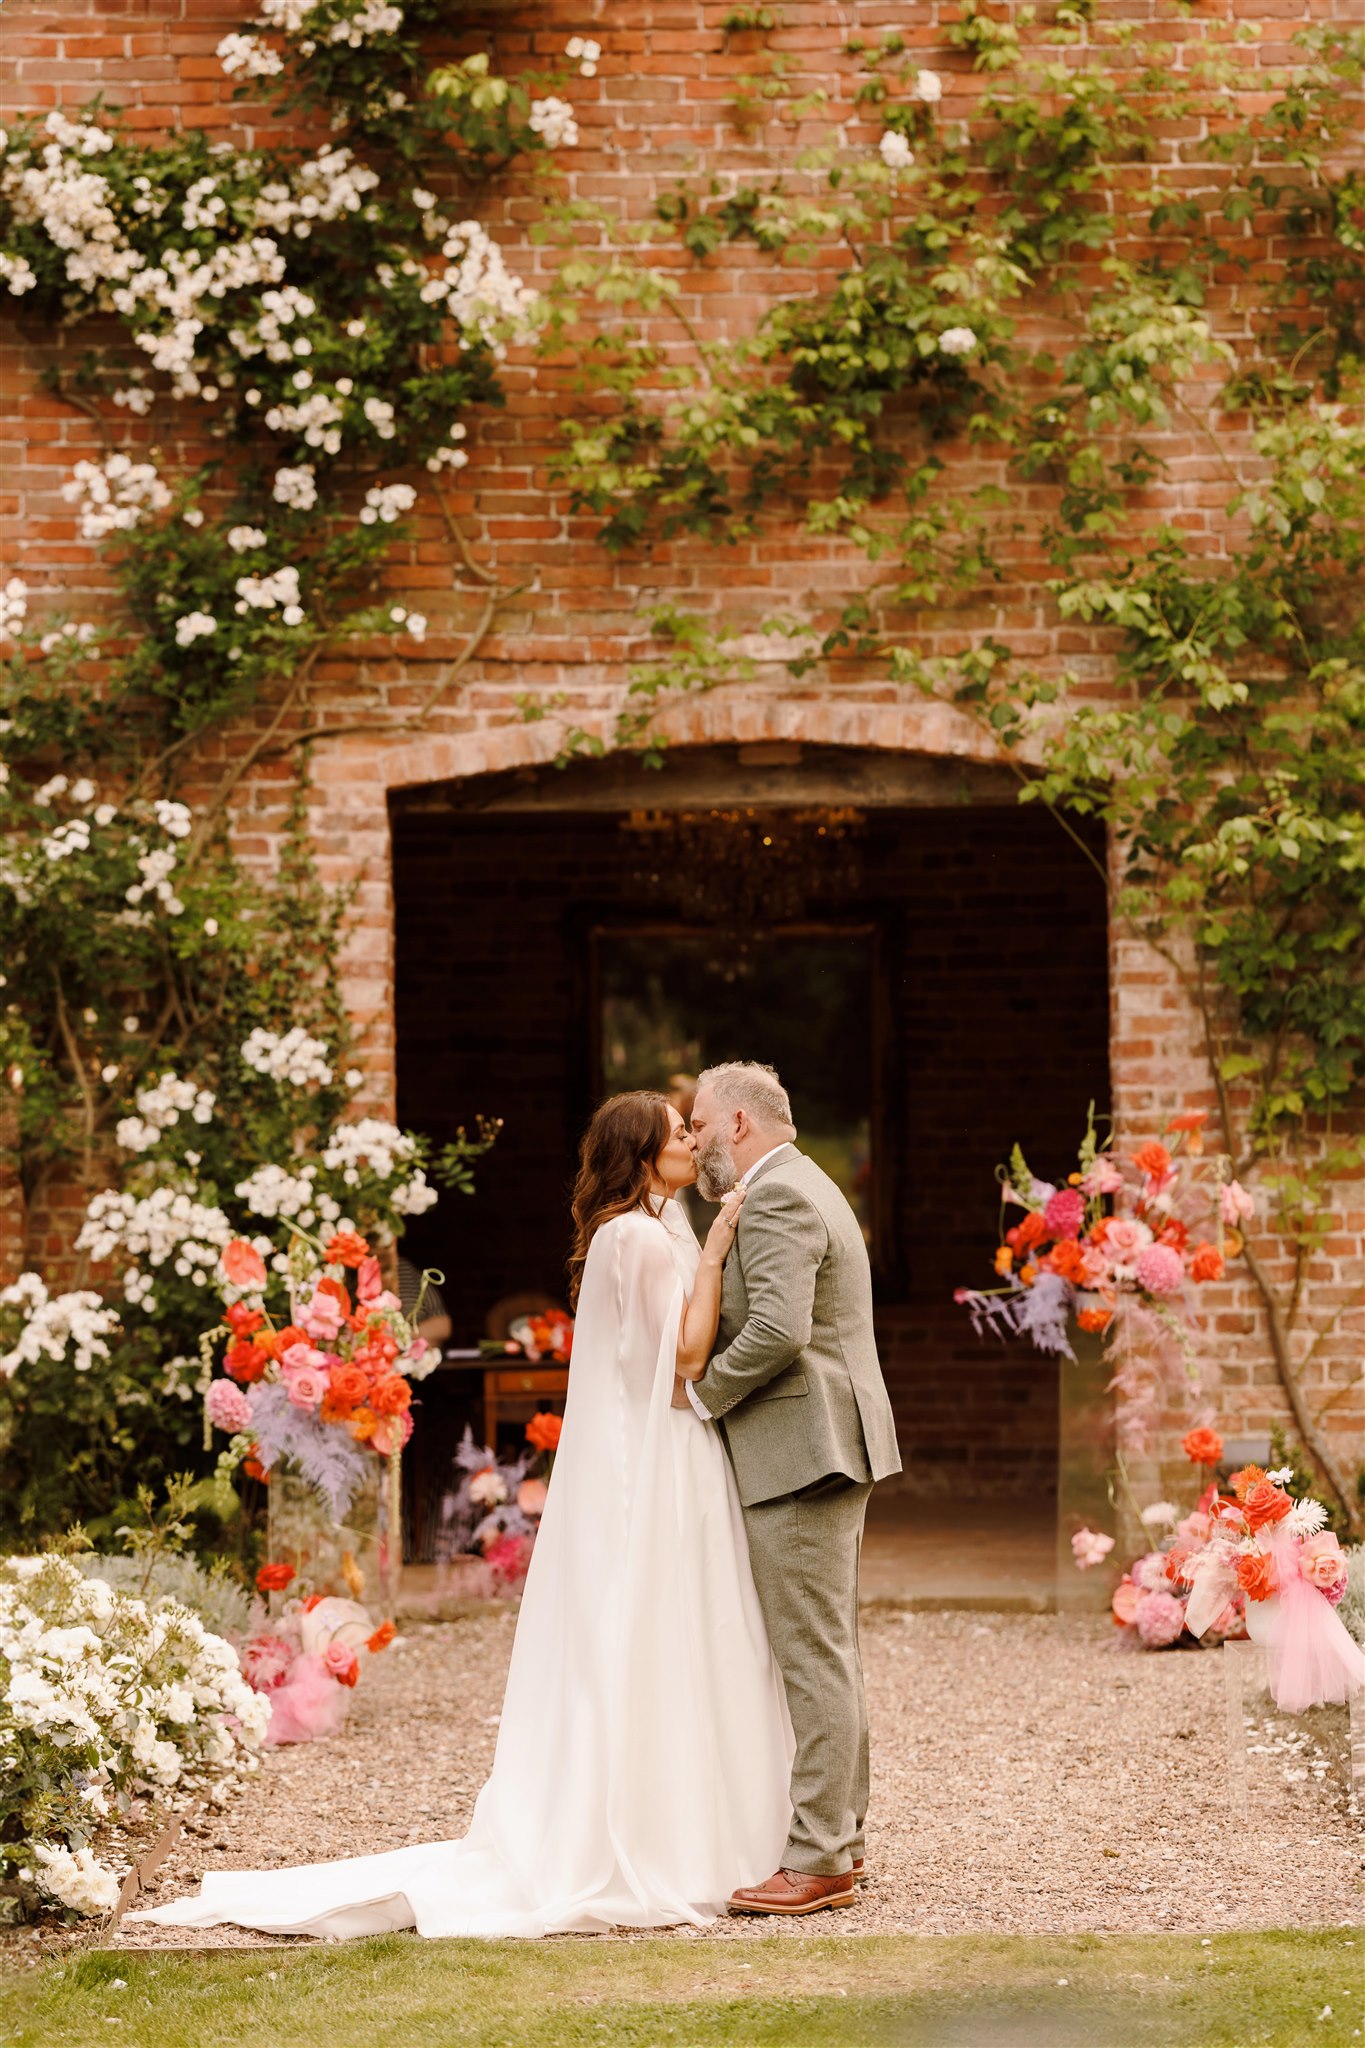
(329, 1459)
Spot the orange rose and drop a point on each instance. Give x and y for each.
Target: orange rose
(1175, 1234)
(1095, 1319)
(245, 1362)
(349, 1385)
(1153, 1160)
(1264, 1503)
(1256, 1575)
(279, 1341)
(346, 1248)
(241, 1320)
(242, 1264)
(543, 1431)
(1065, 1258)
(273, 1578)
(1028, 1233)
(381, 1638)
(333, 1409)
(391, 1395)
(1202, 1446)
(1206, 1262)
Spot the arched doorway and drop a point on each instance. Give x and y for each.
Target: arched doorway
(925, 961)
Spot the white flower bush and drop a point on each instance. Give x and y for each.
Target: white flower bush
(74, 1327)
(114, 495)
(103, 1695)
(291, 1056)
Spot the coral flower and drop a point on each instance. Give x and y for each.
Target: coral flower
(337, 1290)
(346, 1248)
(273, 1578)
(1154, 1161)
(369, 1281)
(242, 1320)
(246, 1362)
(391, 1432)
(349, 1385)
(362, 1424)
(543, 1431)
(254, 1469)
(1256, 1575)
(1066, 1258)
(1188, 1120)
(342, 1662)
(1264, 1503)
(391, 1395)
(532, 1495)
(1206, 1262)
(242, 1264)
(1031, 1231)
(1202, 1446)
(1095, 1319)
(1124, 1604)
(381, 1638)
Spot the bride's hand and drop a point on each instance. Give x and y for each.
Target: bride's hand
(721, 1235)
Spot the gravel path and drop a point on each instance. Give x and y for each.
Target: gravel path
(1027, 1778)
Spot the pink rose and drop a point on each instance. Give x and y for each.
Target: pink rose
(300, 1356)
(307, 1387)
(227, 1407)
(1237, 1205)
(1160, 1619)
(320, 1318)
(1323, 1563)
(1090, 1546)
(1160, 1270)
(1103, 1178)
(1125, 1238)
(342, 1663)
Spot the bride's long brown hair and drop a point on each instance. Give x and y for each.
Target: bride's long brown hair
(616, 1165)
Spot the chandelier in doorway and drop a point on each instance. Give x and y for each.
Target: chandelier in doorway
(738, 868)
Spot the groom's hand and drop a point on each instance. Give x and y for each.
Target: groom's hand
(680, 1399)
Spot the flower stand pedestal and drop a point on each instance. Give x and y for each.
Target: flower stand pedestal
(1085, 1455)
(353, 1557)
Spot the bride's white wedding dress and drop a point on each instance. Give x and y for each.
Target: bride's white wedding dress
(644, 1750)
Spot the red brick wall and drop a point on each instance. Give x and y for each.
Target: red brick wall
(659, 111)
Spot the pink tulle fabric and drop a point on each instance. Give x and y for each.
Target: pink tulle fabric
(308, 1705)
(1311, 1660)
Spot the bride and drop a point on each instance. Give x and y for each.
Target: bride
(644, 1752)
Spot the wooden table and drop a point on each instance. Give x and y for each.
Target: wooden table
(513, 1389)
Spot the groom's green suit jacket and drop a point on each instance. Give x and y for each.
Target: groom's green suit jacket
(795, 1381)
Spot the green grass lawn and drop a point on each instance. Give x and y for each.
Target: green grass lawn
(987, 1991)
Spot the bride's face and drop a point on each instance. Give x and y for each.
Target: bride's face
(675, 1166)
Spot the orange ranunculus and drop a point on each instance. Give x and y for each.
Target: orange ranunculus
(1153, 1160)
(1174, 1233)
(279, 1341)
(1256, 1575)
(362, 1424)
(1095, 1319)
(1028, 1233)
(334, 1409)
(1124, 1604)
(1066, 1258)
(346, 1248)
(1206, 1262)
(273, 1578)
(337, 1291)
(543, 1431)
(1028, 1274)
(1265, 1503)
(245, 1362)
(242, 1264)
(1202, 1446)
(381, 1638)
(349, 1385)
(1004, 1260)
(391, 1395)
(242, 1320)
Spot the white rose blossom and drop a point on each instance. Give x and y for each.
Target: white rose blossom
(956, 341)
(895, 151)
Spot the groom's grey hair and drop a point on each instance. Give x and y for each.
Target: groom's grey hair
(754, 1088)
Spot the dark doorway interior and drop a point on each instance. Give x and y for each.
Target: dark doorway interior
(932, 977)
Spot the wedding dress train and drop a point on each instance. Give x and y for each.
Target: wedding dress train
(644, 1752)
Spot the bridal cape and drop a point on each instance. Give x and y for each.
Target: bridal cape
(644, 1750)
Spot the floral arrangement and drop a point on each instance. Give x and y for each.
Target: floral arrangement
(494, 1511)
(1258, 1560)
(1120, 1246)
(306, 1657)
(103, 1694)
(328, 1384)
(536, 1338)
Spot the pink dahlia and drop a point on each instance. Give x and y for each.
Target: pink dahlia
(228, 1407)
(1160, 1619)
(1065, 1213)
(1160, 1270)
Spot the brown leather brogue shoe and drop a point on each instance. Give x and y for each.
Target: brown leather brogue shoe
(857, 1871)
(795, 1891)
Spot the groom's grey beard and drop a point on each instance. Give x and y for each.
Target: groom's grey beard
(716, 1169)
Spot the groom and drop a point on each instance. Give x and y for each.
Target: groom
(796, 1388)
